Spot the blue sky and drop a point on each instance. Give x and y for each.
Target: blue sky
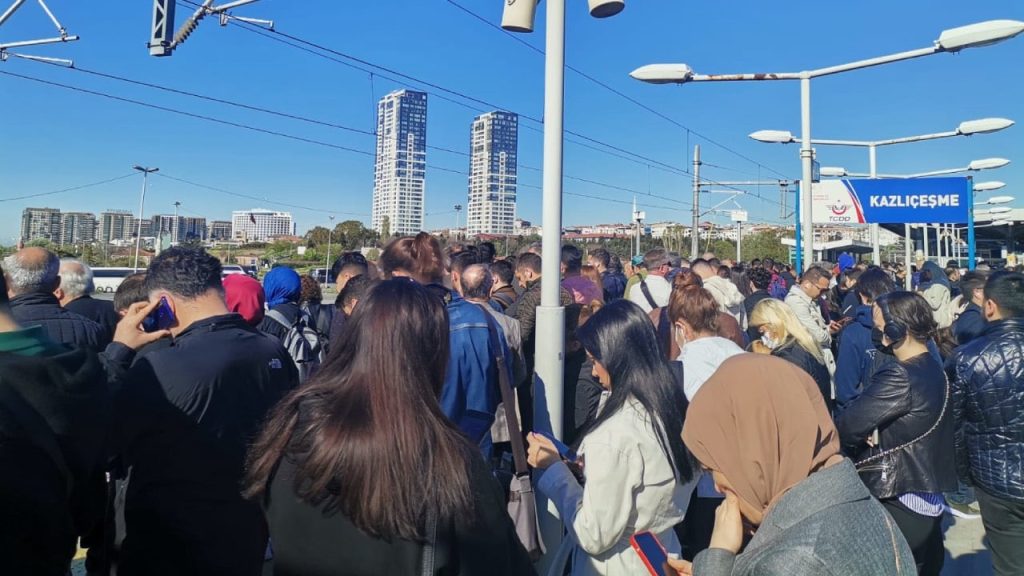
(55, 138)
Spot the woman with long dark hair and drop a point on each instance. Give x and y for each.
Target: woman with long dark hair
(638, 473)
(900, 429)
(360, 472)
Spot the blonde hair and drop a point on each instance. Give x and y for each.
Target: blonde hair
(778, 317)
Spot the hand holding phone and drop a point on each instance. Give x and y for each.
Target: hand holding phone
(651, 552)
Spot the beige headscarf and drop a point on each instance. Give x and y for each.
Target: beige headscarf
(762, 423)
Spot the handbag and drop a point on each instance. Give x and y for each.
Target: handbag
(885, 460)
(522, 501)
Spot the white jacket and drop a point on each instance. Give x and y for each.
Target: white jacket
(938, 299)
(630, 488)
(729, 298)
(808, 312)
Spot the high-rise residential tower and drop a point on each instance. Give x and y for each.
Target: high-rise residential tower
(494, 142)
(399, 175)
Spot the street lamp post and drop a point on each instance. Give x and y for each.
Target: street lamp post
(174, 231)
(142, 204)
(953, 40)
(519, 17)
(327, 265)
(968, 128)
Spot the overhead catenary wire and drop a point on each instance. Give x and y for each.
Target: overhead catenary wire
(292, 136)
(71, 189)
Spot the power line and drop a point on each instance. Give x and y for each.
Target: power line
(256, 198)
(611, 89)
(289, 116)
(63, 190)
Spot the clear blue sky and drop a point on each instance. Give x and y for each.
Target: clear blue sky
(54, 138)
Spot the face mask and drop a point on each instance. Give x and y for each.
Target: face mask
(876, 339)
(681, 338)
(769, 342)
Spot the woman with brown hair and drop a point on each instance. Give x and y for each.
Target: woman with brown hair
(727, 328)
(361, 473)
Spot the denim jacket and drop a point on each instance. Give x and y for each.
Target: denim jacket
(471, 393)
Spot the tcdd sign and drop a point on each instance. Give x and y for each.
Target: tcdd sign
(892, 201)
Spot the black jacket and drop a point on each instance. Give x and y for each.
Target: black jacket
(61, 325)
(99, 311)
(41, 519)
(271, 327)
(749, 303)
(970, 325)
(903, 400)
(185, 415)
(311, 540)
(795, 353)
(988, 407)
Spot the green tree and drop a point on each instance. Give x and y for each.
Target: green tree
(351, 234)
(318, 236)
(385, 228)
(765, 245)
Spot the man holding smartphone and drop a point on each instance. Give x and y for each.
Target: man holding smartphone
(184, 414)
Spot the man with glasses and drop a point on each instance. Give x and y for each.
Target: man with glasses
(803, 299)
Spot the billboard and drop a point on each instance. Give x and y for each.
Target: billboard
(892, 201)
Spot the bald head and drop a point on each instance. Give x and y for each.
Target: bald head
(476, 282)
(703, 269)
(32, 270)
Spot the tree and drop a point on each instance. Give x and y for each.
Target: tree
(318, 236)
(351, 234)
(765, 245)
(385, 228)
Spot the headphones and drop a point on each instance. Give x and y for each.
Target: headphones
(894, 331)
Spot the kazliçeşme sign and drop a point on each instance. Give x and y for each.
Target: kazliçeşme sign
(892, 201)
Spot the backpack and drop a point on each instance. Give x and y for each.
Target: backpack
(304, 344)
(778, 289)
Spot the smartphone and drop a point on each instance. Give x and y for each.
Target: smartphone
(161, 318)
(651, 552)
(563, 450)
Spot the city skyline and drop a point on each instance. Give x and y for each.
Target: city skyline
(331, 170)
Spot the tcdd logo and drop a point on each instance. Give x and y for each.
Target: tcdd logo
(839, 209)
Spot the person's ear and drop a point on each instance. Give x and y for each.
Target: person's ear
(56, 284)
(991, 310)
(59, 293)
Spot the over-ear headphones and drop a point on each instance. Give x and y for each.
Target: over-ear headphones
(894, 331)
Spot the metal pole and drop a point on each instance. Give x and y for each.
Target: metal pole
(924, 231)
(174, 231)
(739, 242)
(971, 255)
(876, 248)
(327, 265)
(142, 204)
(695, 225)
(797, 252)
(550, 314)
(807, 156)
(908, 247)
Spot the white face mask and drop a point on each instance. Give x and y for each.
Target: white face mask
(680, 337)
(769, 342)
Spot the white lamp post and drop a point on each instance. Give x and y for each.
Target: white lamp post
(518, 16)
(953, 40)
(968, 128)
(142, 204)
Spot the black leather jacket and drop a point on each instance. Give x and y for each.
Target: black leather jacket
(903, 400)
(987, 376)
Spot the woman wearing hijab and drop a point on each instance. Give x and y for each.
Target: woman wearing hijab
(283, 288)
(244, 296)
(760, 426)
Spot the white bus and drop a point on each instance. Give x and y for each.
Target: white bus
(108, 279)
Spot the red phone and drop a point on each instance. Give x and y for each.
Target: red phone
(651, 552)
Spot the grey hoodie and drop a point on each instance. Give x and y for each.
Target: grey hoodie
(729, 298)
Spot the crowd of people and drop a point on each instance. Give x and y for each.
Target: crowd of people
(749, 418)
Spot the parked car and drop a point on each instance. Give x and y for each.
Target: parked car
(230, 269)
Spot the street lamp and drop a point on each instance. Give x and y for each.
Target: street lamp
(327, 265)
(967, 128)
(953, 40)
(989, 186)
(142, 203)
(996, 200)
(518, 16)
